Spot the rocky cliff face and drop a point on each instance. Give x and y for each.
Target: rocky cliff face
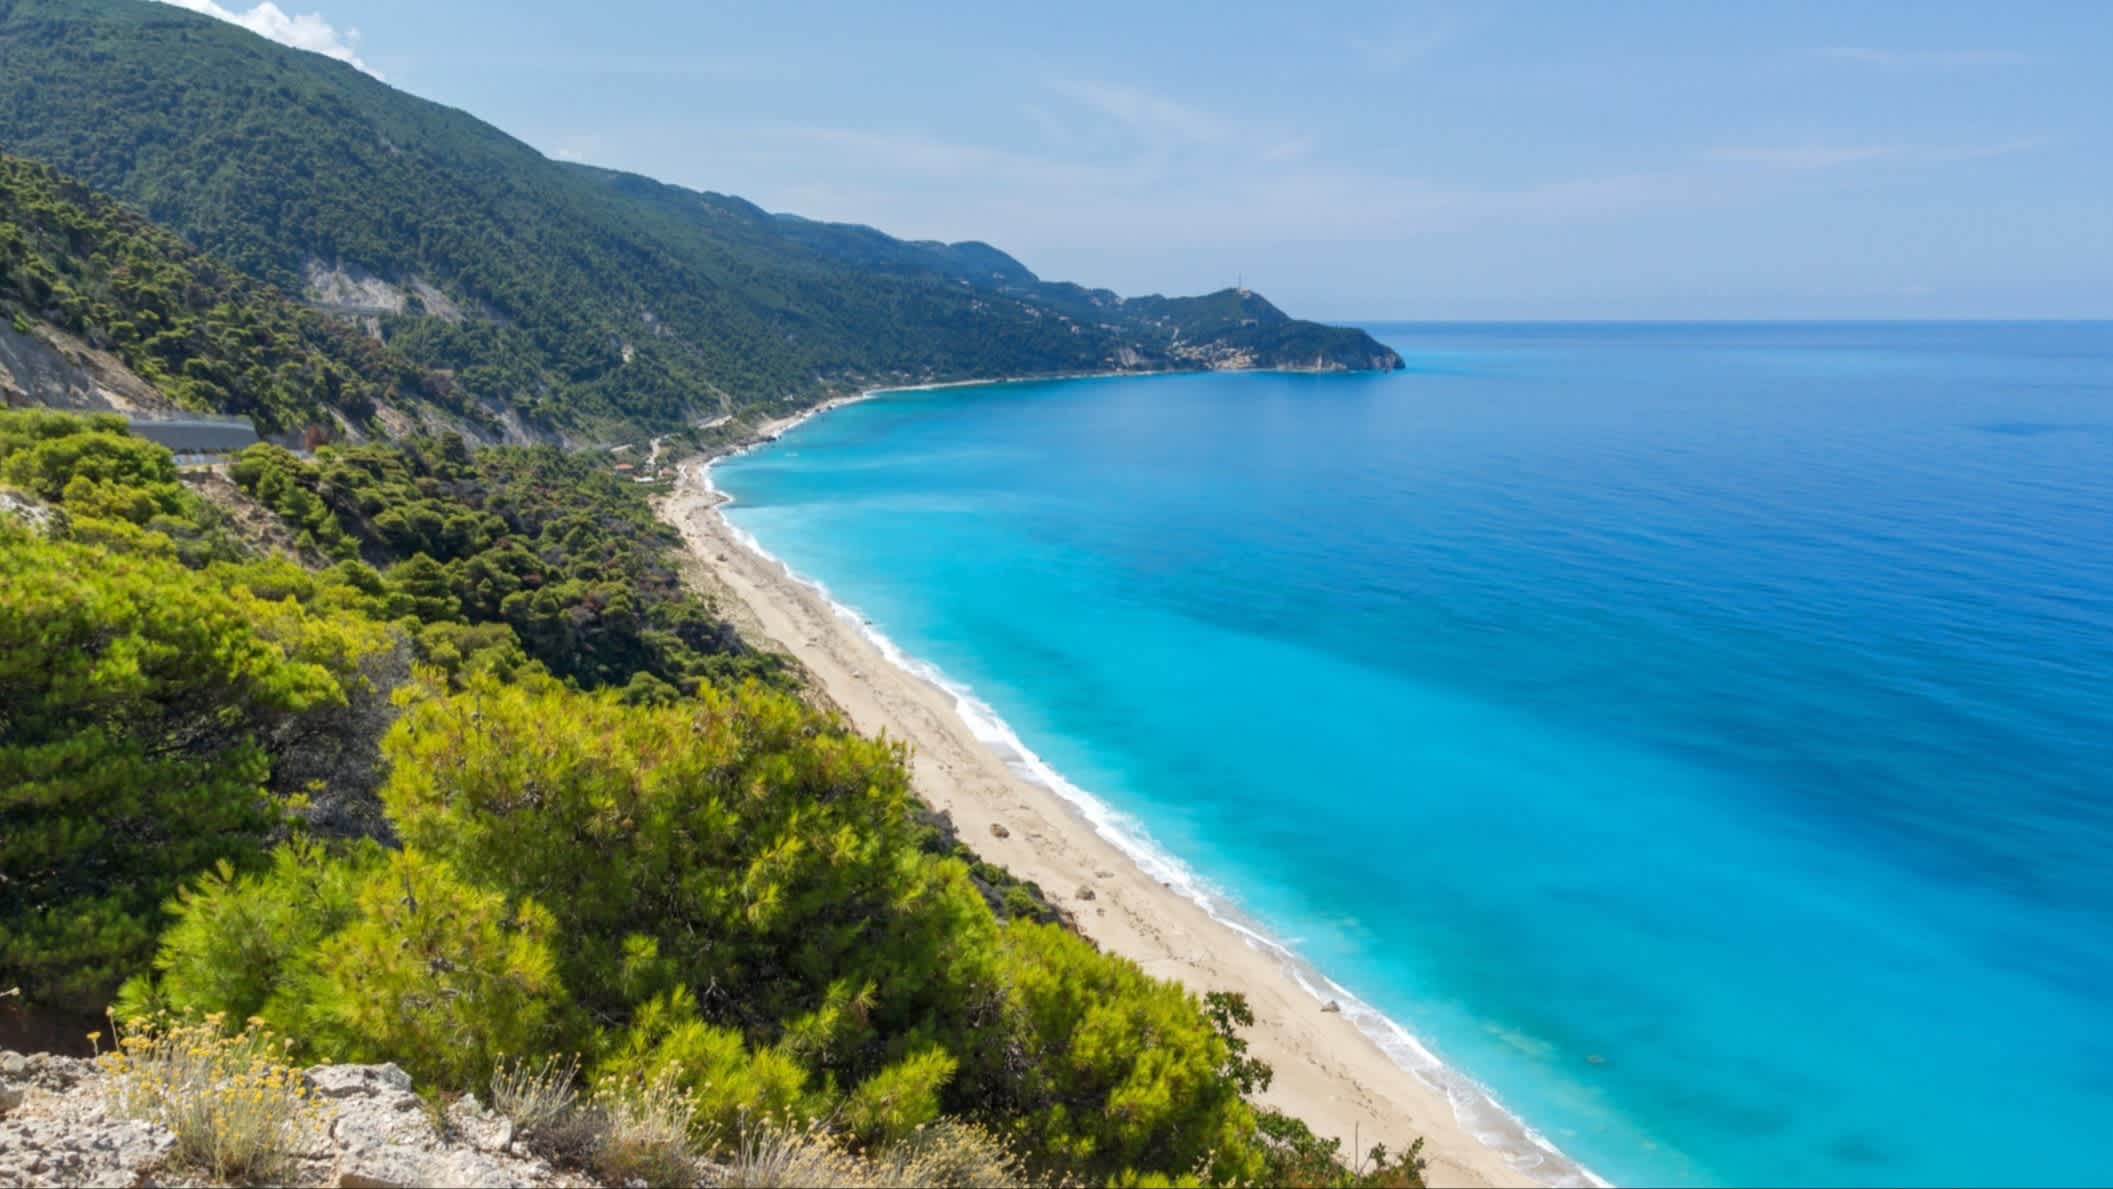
(46, 366)
(58, 1128)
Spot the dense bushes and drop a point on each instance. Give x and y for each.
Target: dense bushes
(727, 905)
(169, 699)
(201, 333)
(136, 704)
(547, 545)
(142, 705)
(726, 891)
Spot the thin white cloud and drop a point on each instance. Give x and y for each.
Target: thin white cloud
(1406, 43)
(1167, 125)
(1977, 152)
(1149, 111)
(758, 65)
(1294, 149)
(1806, 156)
(304, 31)
(1320, 206)
(926, 157)
(1023, 201)
(1798, 157)
(1921, 59)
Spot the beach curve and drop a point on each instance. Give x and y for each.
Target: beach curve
(1349, 1073)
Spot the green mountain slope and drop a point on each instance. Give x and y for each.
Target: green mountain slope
(1229, 328)
(577, 296)
(197, 333)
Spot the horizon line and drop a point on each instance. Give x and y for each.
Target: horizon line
(1974, 320)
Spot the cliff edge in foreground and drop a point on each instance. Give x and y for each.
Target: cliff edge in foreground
(61, 1124)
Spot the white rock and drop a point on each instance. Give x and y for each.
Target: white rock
(383, 1134)
(484, 1130)
(51, 1151)
(341, 1081)
(380, 1135)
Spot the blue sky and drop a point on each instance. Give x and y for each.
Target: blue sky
(1360, 161)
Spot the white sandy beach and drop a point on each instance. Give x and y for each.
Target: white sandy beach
(1328, 1072)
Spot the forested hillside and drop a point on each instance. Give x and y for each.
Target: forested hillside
(629, 861)
(403, 751)
(579, 297)
(203, 335)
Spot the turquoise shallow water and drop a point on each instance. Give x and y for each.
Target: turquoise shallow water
(1698, 735)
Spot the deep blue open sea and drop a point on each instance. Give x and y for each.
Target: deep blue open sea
(1699, 735)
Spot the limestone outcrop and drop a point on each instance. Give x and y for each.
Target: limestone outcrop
(59, 1127)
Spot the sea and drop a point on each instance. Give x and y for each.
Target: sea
(1691, 744)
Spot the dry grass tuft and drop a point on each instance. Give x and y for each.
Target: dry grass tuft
(946, 1155)
(950, 1155)
(789, 1157)
(543, 1100)
(630, 1130)
(238, 1111)
(645, 1132)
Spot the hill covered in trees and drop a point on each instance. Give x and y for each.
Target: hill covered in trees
(415, 753)
(199, 334)
(634, 866)
(579, 297)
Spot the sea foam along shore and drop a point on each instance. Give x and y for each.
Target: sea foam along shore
(1351, 1073)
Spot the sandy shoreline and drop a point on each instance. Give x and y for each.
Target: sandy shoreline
(1328, 1071)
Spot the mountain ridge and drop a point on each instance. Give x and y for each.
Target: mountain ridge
(584, 299)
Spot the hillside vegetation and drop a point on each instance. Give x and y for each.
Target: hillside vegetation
(205, 336)
(579, 297)
(635, 847)
(403, 751)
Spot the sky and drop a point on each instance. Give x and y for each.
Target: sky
(1403, 160)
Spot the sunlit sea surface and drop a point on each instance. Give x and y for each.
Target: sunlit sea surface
(1699, 736)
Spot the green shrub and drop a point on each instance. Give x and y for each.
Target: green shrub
(893, 1104)
(1297, 1158)
(726, 901)
(140, 708)
(727, 1083)
(439, 976)
(1120, 1072)
(244, 947)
